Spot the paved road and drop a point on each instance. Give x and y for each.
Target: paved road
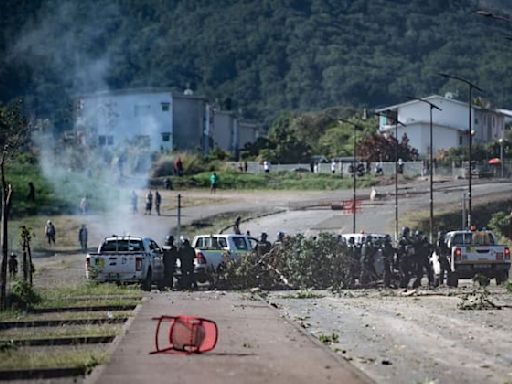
(255, 345)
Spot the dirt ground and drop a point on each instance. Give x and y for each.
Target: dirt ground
(392, 335)
(396, 336)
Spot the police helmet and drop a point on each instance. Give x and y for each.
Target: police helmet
(169, 240)
(405, 231)
(263, 235)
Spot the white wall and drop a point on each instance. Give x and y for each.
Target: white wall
(119, 118)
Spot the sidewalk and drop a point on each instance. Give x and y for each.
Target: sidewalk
(256, 345)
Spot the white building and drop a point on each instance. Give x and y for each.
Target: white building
(449, 126)
(159, 119)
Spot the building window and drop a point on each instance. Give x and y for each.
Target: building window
(166, 107)
(105, 140)
(166, 136)
(476, 121)
(141, 110)
(460, 140)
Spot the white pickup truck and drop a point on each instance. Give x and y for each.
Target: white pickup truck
(472, 252)
(210, 251)
(126, 259)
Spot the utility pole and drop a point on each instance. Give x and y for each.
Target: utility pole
(178, 226)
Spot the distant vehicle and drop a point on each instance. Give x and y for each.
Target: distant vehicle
(360, 238)
(126, 259)
(473, 252)
(212, 249)
(319, 159)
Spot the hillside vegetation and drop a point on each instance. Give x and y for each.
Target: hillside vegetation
(265, 55)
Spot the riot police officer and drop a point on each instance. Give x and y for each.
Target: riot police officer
(443, 253)
(405, 255)
(367, 262)
(388, 253)
(169, 260)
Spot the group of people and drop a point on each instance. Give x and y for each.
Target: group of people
(186, 254)
(148, 207)
(409, 260)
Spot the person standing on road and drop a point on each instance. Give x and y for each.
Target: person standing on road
(13, 266)
(158, 202)
(149, 203)
(49, 230)
(169, 260)
(388, 253)
(236, 227)
(133, 200)
(187, 255)
(214, 181)
(405, 254)
(443, 253)
(82, 237)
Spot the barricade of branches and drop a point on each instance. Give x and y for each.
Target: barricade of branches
(297, 262)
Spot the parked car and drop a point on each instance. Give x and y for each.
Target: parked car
(211, 250)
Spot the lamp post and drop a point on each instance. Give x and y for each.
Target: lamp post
(394, 115)
(471, 86)
(430, 166)
(356, 127)
(501, 157)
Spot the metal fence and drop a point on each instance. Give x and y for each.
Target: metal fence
(411, 168)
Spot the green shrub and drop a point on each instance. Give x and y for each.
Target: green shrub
(23, 295)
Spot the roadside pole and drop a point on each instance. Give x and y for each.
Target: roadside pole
(178, 226)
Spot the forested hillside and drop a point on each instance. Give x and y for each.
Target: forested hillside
(266, 55)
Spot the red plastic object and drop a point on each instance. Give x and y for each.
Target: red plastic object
(186, 335)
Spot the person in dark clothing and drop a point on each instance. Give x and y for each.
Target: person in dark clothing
(236, 227)
(13, 266)
(179, 167)
(263, 246)
(158, 202)
(367, 262)
(169, 260)
(405, 254)
(443, 253)
(82, 237)
(31, 192)
(49, 230)
(168, 184)
(388, 253)
(187, 255)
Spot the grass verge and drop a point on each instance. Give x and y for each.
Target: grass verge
(63, 331)
(54, 357)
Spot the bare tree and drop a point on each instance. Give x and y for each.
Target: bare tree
(14, 132)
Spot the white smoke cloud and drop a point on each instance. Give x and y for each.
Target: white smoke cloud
(65, 37)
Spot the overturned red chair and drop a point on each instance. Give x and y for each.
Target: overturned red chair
(186, 335)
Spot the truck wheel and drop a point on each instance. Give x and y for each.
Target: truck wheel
(501, 277)
(453, 280)
(146, 283)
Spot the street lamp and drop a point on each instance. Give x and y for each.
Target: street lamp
(430, 166)
(356, 127)
(388, 113)
(471, 86)
(501, 156)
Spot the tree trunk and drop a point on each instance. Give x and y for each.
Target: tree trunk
(30, 265)
(25, 265)
(6, 204)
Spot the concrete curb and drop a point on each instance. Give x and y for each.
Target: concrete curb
(97, 371)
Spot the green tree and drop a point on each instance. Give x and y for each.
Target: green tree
(14, 133)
